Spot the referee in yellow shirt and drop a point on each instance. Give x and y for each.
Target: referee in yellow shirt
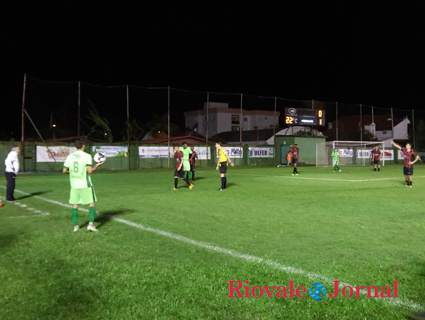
(223, 159)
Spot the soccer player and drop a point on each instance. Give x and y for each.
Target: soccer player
(178, 173)
(376, 155)
(186, 164)
(408, 163)
(294, 151)
(79, 165)
(223, 160)
(335, 157)
(192, 162)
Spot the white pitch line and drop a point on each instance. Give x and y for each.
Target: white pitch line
(33, 216)
(234, 254)
(323, 179)
(27, 208)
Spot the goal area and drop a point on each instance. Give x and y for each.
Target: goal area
(350, 152)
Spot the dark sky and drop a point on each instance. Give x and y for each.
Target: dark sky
(351, 53)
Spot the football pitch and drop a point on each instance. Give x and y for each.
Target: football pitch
(178, 254)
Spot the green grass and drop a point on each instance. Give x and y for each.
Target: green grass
(358, 226)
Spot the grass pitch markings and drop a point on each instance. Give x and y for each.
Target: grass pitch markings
(27, 208)
(234, 254)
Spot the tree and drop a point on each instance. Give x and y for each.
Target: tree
(158, 127)
(135, 131)
(99, 127)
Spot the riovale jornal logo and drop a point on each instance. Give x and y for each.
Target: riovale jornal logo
(239, 289)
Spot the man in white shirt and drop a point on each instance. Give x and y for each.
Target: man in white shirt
(12, 168)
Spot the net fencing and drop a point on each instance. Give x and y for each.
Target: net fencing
(350, 152)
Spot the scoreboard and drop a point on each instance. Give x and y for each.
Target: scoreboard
(304, 117)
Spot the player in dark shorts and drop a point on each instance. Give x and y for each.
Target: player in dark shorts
(192, 159)
(294, 151)
(408, 163)
(178, 172)
(376, 156)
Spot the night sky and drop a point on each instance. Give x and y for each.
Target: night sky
(360, 53)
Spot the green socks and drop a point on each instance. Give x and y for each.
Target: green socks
(74, 213)
(92, 213)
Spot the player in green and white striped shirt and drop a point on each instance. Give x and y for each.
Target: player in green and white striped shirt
(79, 165)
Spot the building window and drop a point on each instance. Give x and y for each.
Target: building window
(235, 128)
(235, 119)
(245, 119)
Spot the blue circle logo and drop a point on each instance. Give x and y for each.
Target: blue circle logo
(317, 291)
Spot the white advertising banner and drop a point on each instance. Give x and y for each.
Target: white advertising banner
(347, 153)
(155, 152)
(261, 152)
(364, 154)
(162, 152)
(203, 153)
(387, 154)
(49, 154)
(233, 152)
(112, 151)
(400, 155)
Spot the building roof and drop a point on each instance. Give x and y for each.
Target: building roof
(72, 139)
(247, 135)
(190, 139)
(382, 122)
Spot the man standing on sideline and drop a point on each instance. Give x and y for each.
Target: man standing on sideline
(192, 162)
(376, 155)
(12, 168)
(79, 165)
(408, 163)
(294, 151)
(223, 159)
(335, 157)
(186, 164)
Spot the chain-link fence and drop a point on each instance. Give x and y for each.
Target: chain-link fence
(55, 110)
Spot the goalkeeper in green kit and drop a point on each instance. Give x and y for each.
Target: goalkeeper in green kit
(335, 157)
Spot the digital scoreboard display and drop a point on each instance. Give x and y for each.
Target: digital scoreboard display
(304, 117)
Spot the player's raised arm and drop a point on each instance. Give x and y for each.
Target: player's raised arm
(395, 145)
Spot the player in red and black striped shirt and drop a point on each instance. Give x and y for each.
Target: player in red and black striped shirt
(294, 151)
(408, 163)
(376, 156)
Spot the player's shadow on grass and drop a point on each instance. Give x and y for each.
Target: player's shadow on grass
(107, 216)
(197, 179)
(7, 239)
(230, 184)
(32, 195)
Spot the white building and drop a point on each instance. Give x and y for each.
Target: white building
(221, 118)
(399, 132)
(386, 132)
